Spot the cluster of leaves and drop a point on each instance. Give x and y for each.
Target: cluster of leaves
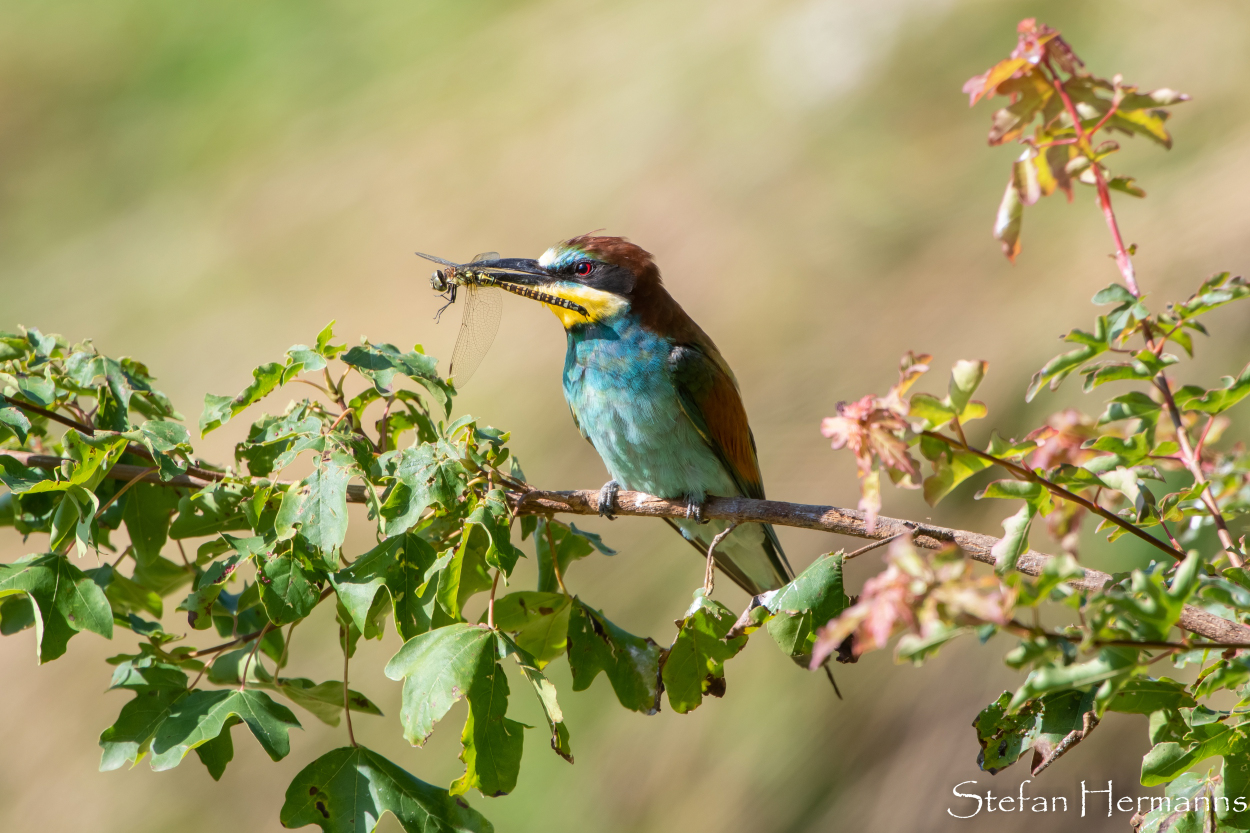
(257, 554)
(1150, 467)
(1065, 116)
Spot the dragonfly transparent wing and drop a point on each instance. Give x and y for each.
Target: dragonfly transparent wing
(485, 256)
(483, 307)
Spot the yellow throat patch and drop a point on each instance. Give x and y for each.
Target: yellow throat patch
(599, 304)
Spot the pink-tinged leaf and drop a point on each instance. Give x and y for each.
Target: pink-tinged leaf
(1007, 223)
(929, 596)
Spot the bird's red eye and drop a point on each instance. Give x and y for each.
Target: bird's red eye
(582, 269)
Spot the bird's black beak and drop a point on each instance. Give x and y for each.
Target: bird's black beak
(519, 270)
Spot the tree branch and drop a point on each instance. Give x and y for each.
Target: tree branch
(746, 510)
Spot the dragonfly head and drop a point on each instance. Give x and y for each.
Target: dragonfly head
(604, 276)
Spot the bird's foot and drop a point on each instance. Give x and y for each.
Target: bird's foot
(607, 499)
(694, 512)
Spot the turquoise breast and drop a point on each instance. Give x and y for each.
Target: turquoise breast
(617, 384)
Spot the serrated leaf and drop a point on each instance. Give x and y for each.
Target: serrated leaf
(1039, 725)
(949, 471)
(381, 362)
(347, 791)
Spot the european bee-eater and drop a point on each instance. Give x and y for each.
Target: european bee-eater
(652, 394)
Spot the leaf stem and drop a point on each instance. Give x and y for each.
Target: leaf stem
(709, 576)
(555, 559)
(347, 703)
(248, 662)
(132, 481)
(490, 605)
(1122, 258)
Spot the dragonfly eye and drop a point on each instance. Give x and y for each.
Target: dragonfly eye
(582, 269)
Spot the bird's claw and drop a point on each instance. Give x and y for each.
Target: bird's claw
(694, 512)
(607, 499)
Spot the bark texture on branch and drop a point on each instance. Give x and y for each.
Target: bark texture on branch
(744, 510)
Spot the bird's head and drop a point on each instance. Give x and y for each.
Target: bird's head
(606, 276)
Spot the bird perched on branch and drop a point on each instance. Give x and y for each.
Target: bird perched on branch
(653, 395)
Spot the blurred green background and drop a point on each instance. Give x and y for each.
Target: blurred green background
(203, 185)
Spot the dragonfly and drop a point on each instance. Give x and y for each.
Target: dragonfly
(483, 306)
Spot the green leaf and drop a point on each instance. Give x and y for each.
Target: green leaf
(1168, 760)
(14, 421)
(1215, 292)
(966, 376)
(1015, 540)
(932, 410)
(1143, 695)
(380, 362)
(949, 471)
(166, 441)
(571, 544)
(201, 716)
(1132, 405)
(1110, 663)
(546, 693)
(421, 476)
(147, 515)
(1060, 367)
(806, 604)
(695, 664)
(1235, 783)
(437, 669)
(130, 736)
(124, 595)
(324, 700)
(199, 604)
(218, 752)
(466, 574)
(209, 511)
(347, 791)
(492, 742)
(1218, 400)
(219, 409)
(539, 620)
(318, 505)
(630, 662)
(400, 565)
(493, 516)
(66, 601)
(1040, 725)
(289, 590)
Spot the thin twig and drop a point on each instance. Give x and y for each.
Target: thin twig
(709, 577)
(874, 545)
(1028, 474)
(555, 558)
(248, 662)
(125, 553)
(132, 481)
(52, 415)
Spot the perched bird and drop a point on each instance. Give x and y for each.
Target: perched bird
(652, 394)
